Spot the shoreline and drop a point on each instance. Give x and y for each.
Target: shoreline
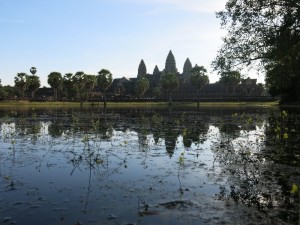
(18, 104)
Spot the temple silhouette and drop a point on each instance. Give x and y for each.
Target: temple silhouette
(124, 87)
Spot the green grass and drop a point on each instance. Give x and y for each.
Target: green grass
(192, 104)
(26, 104)
(39, 104)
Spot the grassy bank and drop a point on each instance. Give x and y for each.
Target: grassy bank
(29, 104)
(38, 104)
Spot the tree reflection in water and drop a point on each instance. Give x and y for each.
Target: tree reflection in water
(248, 159)
(260, 165)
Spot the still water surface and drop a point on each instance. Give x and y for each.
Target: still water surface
(149, 166)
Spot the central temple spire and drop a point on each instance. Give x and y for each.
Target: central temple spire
(142, 71)
(170, 63)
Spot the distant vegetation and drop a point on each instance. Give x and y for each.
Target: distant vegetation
(83, 87)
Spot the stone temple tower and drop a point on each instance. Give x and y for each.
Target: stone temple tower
(187, 70)
(170, 64)
(142, 71)
(156, 70)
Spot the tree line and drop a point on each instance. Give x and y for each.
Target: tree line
(78, 86)
(81, 86)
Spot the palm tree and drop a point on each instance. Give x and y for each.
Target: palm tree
(33, 70)
(199, 79)
(55, 81)
(68, 86)
(104, 81)
(33, 84)
(79, 84)
(170, 83)
(89, 84)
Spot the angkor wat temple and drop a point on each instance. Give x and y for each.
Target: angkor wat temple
(124, 87)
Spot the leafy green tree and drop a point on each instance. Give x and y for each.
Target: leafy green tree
(156, 91)
(265, 35)
(82, 84)
(8, 92)
(55, 80)
(104, 81)
(33, 84)
(21, 83)
(199, 79)
(2, 91)
(230, 79)
(170, 83)
(142, 85)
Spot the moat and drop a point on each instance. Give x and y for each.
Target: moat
(238, 165)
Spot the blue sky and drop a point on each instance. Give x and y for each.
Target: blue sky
(87, 35)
